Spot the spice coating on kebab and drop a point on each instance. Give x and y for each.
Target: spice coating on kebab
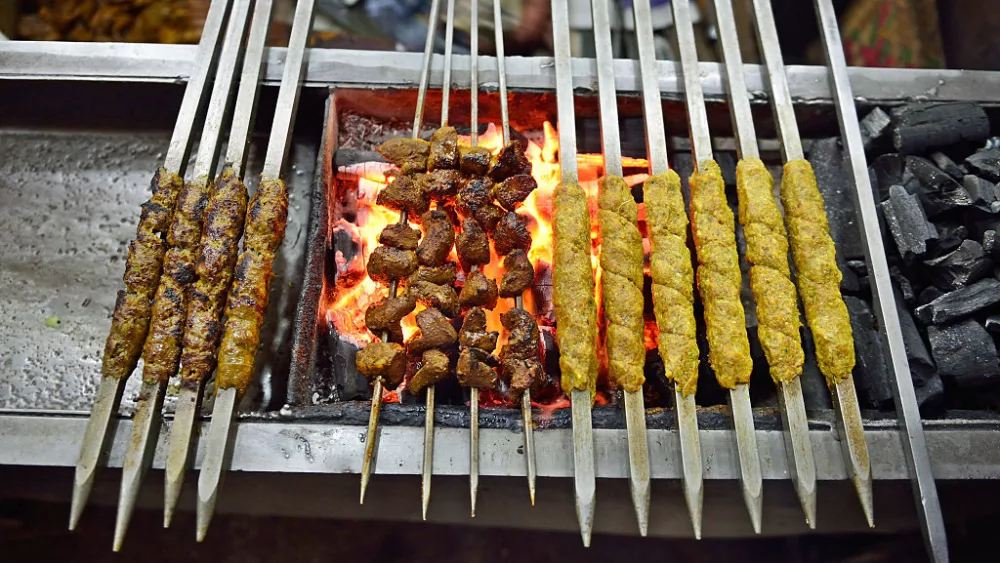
(434, 295)
(573, 289)
(673, 280)
(439, 237)
(770, 281)
(445, 274)
(518, 275)
(386, 313)
(816, 271)
(401, 236)
(162, 349)
(472, 371)
(511, 234)
(510, 162)
(387, 264)
(478, 290)
(474, 334)
(719, 278)
(473, 245)
(621, 282)
(133, 305)
(435, 331)
(519, 357)
(410, 155)
(434, 369)
(474, 161)
(474, 195)
(216, 261)
(488, 217)
(441, 184)
(247, 302)
(514, 190)
(444, 149)
(405, 193)
(384, 360)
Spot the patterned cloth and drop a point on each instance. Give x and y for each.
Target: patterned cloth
(893, 33)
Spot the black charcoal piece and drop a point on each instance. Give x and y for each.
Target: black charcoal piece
(947, 165)
(833, 178)
(989, 243)
(960, 303)
(890, 170)
(815, 393)
(950, 237)
(871, 370)
(930, 397)
(922, 365)
(984, 193)
(919, 126)
(875, 128)
(859, 267)
(964, 265)
(906, 220)
(930, 293)
(964, 353)
(904, 286)
(930, 176)
(992, 324)
(849, 281)
(985, 163)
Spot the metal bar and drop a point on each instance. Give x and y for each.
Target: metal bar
(564, 91)
(449, 37)
(908, 414)
(501, 69)
(739, 102)
(784, 111)
(418, 115)
(194, 98)
(656, 134)
(474, 139)
(701, 140)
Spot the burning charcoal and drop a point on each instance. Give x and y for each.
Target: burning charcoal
(947, 165)
(992, 324)
(950, 237)
(439, 236)
(511, 234)
(890, 170)
(445, 274)
(930, 396)
(410, 155)
(384, 360)
(986, 164)
(474, 333)
(435, 369)
(871, 370)
(385, 314)
(510, 162)
(442, 297)
(960, 267)
(404, 194)
(518, 274)
(400, 235)
(444, 149)
(833, 178)
(387, 263)
(475, 161)
(922, 367)
(919, 126)
(930, 293)
(514, 190)
(435, 331)
(441, 184)
(960, 303)
(908, 224)
(473, 195)
(964, 353)
(489, 216)
(472, 372)
(874, 128)
(984, 193)
(473, 245)
(479, 291)
(903, 284)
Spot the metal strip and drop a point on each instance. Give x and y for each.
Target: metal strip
(245, 109)
(611, 142)
(907, 411)
(739, 103)
(784, 112)
(563, 82)
(701, 139)
(656, 135)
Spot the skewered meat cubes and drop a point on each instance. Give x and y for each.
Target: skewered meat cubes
(514, 190)
(473, 195)
(511, 234)
(401, 236)
(441, 184)
(410, 155)
(478, 290)
(387, 264)
(518, 275)
(519, 356)
(439, 236)
(474, 333)
(385, 314)
(404, 193)
(434, 369)
(445, 274)
(474, 161)
(433, 295)
(510, 162)
(384, 360)
(444, 149)
(436, 331)
(488, 217)
(473, 245)
(472, 371)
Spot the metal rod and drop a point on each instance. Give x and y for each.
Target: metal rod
(739, 101)
(784, 111)
(701, 139)
(908, 414)
(474, 139)
(146, 428)
(449, 37)
(418, 115)
(219, 443)
(501, 69)
(109, 393)
(244, 114)
(656, 149)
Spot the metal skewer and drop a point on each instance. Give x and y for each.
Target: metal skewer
(844, 395)
(218, 442)
(189, 397)
(371, 437)
(914, 443)
(635, 410)
(146, 424)
(474, 139)
(584, 477)
(656, 148)
(110, 389)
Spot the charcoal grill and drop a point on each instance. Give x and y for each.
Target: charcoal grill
(291, 427)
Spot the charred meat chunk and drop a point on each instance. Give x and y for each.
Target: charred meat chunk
(522, 342)
(514, 190)
(385, 314)
(410, 155)
(510, 162)
(473, 372)
(488, 217)
(519, 274)
(441, 296)
(401, 236)
(475, 194)
(439, 236)
(445, 274)
(523, 375)
(474, 161)
(384, 360)
(473, 245)
(511, 234)
(388, 263)
(404, 194)
(441, 184)
(435, 331)
(444, 149)
(474, 333)
(479, 291)
(434, 369)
